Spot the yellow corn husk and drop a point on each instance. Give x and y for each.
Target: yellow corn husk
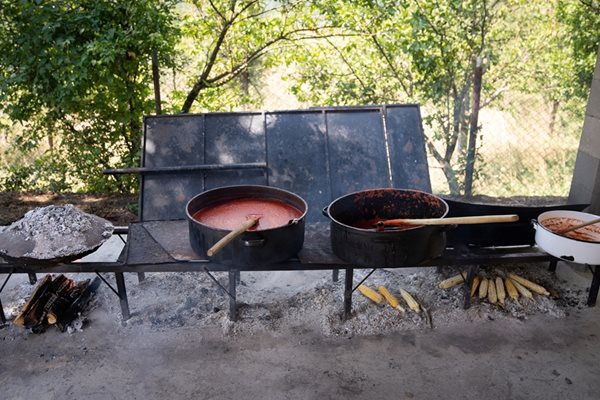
(534, 287)
(500, 292)
(412, 303)
(475, 284)
(483, 288)
(511, 289)
(390, 298)
(523, 291)
(370, 294)
(451, 282)
(492, 295)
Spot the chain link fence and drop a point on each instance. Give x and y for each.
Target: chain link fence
(527, 147)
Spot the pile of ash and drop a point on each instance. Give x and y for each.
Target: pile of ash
(53, 233)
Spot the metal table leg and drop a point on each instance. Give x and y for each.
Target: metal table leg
(348, 292)
(335, 275)
(593, 295)
(2, 316)
(141, 276)
(122, 292)
(552, 266)
(232, 295)
(32, 278)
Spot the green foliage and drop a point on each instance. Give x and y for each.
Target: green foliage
(79, 71)
(581, 42)
(228, 43)
(75, 77)
(423, 51)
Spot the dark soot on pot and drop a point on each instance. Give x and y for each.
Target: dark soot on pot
(372, 206)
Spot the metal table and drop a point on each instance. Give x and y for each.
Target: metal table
(163, 246)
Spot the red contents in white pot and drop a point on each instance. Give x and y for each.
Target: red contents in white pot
(590, 233)
(230, 215)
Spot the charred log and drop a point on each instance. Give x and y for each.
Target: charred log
(57, 302)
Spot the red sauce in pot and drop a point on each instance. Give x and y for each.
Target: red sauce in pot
(230, 215)
(590, 233)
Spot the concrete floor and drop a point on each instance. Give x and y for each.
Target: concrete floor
(538, 358)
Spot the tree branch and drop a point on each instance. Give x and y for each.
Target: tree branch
(391, 65)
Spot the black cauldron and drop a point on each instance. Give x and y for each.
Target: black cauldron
(356, 240)
(253, 247)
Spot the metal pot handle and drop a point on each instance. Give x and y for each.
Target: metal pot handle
(254, 242)
(535, 224)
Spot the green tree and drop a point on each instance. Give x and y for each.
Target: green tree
(414, 50)
(76, 75)
(230, 42)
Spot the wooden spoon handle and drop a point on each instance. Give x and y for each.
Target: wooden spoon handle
(574, 227)
(479, 219)
(249, 223)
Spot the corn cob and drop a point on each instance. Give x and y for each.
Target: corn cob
(523, 291)
(483, 288)
(412, 303)
(391, 299)
(370, 294)
(492, 295)
(451, 282)
(500, 290)
(511, 289)
(534, 287)
(475, 284)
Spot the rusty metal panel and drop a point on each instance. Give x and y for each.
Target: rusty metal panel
(408, 157)
(357, 150)
(171, 141)
(235, 138)
(319, 154)
(297, 157)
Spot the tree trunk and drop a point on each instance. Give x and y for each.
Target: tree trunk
(156, 79)
(473, 124)
(553, 116)
(245, 81)
(446, 168)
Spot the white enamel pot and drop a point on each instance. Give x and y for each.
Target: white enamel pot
(566, 248)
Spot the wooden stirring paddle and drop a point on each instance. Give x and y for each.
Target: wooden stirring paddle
(251, 220)
(575, 227)
(480, 219)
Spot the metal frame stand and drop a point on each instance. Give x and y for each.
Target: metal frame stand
(593, 295)
(2, 315)
(121, 293)
(349, 279)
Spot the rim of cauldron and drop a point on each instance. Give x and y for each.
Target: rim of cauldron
(276, 189)
(388, 231)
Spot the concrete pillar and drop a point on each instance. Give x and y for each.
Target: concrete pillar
(585, 186)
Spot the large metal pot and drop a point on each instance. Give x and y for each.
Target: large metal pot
(253, 247)
(354, 239)
(581, 246)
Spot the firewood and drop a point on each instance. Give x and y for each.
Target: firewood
(42, 301)
(39, 291)
(84, 293)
